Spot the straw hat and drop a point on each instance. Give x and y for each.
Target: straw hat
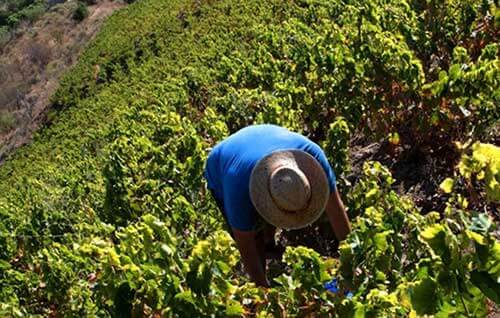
(289, 189)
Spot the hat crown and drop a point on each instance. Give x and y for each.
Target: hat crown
(282, 205)
(289, 188)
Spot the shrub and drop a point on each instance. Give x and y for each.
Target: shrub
(81, 12)
(7, 122)
(11, 92)
(39, 54)
(33, 12)
(29, 13)
(4, 36)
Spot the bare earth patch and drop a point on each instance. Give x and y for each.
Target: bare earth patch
(32, 63)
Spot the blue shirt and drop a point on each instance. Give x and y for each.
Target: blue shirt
(230, 164)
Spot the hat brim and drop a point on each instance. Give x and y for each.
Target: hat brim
(263, 201)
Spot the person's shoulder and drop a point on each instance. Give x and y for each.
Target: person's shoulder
(314, 146)
(215, 150)
(305, 141)
(251, 133)
(309, 146)
(261, 128)
(214, 155)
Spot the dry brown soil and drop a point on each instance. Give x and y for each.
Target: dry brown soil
(32, 64)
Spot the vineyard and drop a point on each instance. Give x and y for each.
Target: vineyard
(106, 212)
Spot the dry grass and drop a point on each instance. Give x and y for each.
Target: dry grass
(39, 54)
(32, 62)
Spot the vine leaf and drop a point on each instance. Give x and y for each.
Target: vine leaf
(424, 297)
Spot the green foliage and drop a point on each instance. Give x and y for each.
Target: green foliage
(483, 165)
(25, 11)
(336, 146)
(106, 212)
(7, 122)
(4, 35)
(81, 11)
(418, 262)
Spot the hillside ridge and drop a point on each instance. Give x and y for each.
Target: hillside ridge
(32, 64)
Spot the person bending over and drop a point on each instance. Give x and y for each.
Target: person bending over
(265, 176)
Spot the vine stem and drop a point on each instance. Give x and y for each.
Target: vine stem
(465, 306)
(457, 290)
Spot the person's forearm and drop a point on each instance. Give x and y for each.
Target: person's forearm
(250, 256)
(254, 268)
(338, 216)
(341, 228)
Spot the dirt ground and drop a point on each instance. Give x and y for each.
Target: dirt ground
(32, 63)
(417, 174)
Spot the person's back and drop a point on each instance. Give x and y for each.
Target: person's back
(230, 165)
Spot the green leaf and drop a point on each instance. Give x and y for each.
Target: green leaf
(454, 71)
(360, 311)
(371, 194)
(234, 308)
(447, 185)
(199, 279)
(380, 276)
(186, 296)
(446, 310)
(481, 223)
(223, 267)
(478, 238)
(486, 284)
(4, 265)
(424, 298)
(380, 240)
(435, 236)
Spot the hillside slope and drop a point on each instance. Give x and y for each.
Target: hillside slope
(32, 63)
(106, 213)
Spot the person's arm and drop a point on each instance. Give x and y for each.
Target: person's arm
(250, 256)
(337, 216)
